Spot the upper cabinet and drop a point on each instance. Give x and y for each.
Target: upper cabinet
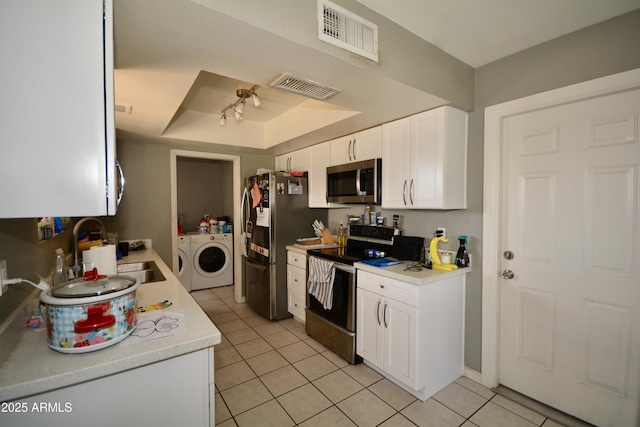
(425, 161)
(319, 159)
(363, 145)
(57, 121)
(296, 161)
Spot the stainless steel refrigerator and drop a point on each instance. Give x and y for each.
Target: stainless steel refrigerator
(275, 213)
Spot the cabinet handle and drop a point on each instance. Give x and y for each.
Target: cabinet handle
(378, 311)
(411, 192)
(381, 286)
(384, 317)
(404, 192)
(354, 149)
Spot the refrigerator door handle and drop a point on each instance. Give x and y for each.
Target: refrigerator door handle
(243, 234)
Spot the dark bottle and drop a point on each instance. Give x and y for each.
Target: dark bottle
(462, 257)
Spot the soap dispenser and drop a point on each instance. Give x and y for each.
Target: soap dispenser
(462, 257)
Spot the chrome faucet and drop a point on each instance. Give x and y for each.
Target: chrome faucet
(76, 229)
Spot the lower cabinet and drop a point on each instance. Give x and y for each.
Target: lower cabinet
(175, 392)
(387, 335)
(412, 334)
(297, 284)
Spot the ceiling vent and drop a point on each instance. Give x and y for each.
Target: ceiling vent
(304, 87)
(346, 30)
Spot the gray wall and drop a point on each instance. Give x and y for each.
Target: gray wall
(205, 186)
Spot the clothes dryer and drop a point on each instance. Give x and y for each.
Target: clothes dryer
(212, 256)
(184, 261)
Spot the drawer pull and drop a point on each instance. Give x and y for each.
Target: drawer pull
(381, 286)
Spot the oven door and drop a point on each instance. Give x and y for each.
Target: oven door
(343, 307)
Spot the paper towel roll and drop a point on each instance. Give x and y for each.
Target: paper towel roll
(103, 258)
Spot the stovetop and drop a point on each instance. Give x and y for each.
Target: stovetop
(362, 239)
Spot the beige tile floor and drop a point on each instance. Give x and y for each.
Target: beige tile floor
(273, 374)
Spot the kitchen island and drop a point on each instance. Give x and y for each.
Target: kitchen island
(167, 381)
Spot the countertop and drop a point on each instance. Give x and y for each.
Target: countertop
(400, 272)
(34, 368)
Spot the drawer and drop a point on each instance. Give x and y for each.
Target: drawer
(389, 288)
(296, 306)
(297, 259)
(296, 278)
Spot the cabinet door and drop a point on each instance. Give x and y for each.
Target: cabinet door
(369, 336)
(296, 291)
(58, 143)
(295, 161)
(396, 162)
(400, 342)
(282, 162)
(439, 159)
(319, 159)
(427, 159)
(342, 150)
(367, 144)
(300, 160)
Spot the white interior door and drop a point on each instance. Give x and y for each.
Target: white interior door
(570, 296)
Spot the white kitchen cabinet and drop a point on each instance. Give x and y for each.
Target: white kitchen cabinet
(57, 121)
(363, 145)
(319, 160)
(424, 162)
(297, 284)
(296, 161)
(176, 391)
(411, 334)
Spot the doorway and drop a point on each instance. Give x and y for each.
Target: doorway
(197, 157)
(560, 315)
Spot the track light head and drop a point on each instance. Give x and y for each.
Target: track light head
(223, 119)
(256, 101)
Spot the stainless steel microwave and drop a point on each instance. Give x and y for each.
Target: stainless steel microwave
(357, 183)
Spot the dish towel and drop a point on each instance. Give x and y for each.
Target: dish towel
(320, 282)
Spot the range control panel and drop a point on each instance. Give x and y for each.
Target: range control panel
(372, 232)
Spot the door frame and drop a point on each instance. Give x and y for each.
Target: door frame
(492, 215)
(237, 194)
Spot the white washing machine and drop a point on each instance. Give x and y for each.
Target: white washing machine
(212, 256)
(184, 261)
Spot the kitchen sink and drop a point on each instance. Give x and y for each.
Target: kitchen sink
(144, 272)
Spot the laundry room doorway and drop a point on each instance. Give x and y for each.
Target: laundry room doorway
(205, 183)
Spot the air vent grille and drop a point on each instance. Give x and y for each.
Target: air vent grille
(304, 87)
(346, 30)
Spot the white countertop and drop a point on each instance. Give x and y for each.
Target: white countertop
(34, 368)
(400, 272)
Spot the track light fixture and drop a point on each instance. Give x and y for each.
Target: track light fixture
(238, 106)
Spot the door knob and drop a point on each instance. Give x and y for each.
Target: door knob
(507, 274)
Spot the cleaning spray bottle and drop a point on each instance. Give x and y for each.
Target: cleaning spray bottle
(462, 257)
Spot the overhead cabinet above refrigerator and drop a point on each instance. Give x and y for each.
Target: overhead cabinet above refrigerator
(57, 104)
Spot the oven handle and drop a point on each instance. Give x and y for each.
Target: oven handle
(344, 267)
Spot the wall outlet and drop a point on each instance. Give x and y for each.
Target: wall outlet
(441, 231)
(3, 276)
